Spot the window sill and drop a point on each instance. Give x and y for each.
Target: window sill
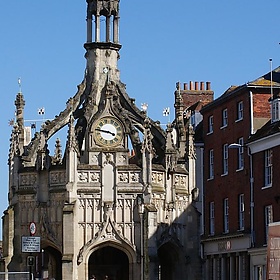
(224, 126)
(267, 187)
(210, 179)
(210, 132)
(239, 169)
(224, 174)
(239, 120)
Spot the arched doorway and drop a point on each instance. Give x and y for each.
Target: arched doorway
(169, 262)
(108, 261)
(51, 264)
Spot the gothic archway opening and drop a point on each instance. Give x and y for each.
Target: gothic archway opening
(169, 262)
(108, 263)
(51, 263)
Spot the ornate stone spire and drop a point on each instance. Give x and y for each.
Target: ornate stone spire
(58, 152)
(147, 156)
(103, 51)
(108, 9)
(20, 103)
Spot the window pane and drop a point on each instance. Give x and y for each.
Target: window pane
(225, 118)
(268, 167)
(225, 158)
(210, 124)
(240, 110)
(211, 164)
(241, 208)
(241, 153)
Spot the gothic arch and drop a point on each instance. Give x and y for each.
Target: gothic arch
(51, 263)
(170, 260)
(125, 259)
(122, 246)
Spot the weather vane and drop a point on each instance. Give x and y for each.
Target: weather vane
(19, 84)
(166, 113)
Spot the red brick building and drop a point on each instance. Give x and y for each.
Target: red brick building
(264, 146)
(229, 203)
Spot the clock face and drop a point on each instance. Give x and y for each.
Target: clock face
(108, 131)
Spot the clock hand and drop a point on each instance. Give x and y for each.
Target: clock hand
(105, 131)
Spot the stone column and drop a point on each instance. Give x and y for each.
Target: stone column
(240, 266)
(214, 273)
(89, 28)
(232, 272)
(68, 242)
(108, 35)
(97, 28)
(116, 30)
(223, 268)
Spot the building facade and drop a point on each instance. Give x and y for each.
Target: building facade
(195, 96)
(118, 202)
(230, 235)
(264, 147)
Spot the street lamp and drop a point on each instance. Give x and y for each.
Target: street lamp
(252, 232)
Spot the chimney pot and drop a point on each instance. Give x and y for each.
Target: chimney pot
(191, 85)
(208, 85)
(201, 85)
(196, 85)
(185, 86)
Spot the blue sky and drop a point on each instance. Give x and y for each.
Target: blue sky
(225, 42)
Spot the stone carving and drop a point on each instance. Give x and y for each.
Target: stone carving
(134, 177)
(83, 176)
(27, 179)
(103, 7)
(94, 159)
(95, 177)
(57, 177)
(82, 203)
(89, 203)
(123, 177)
(122, 159)
(180, 181)
(157, 178)
(88, 177)
(129, 177)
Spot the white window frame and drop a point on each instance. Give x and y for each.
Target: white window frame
(240, 110)
(268, 218)
(226, 216)
(211, 218)
(241, 209)
(211, 164)
(268, 168)
(225, 159)
(224, 118)
(240, 163)
(210, 124)
(275, 114)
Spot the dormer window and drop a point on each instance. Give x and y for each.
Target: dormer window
(275, 110)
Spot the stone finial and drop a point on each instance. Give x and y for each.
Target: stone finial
(58, 151)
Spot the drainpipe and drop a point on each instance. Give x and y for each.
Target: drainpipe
(252, 204)
(251, 114)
